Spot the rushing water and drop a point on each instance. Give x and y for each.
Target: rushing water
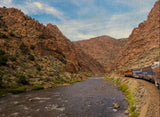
(91, 98)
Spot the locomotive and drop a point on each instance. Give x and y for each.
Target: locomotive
(150, 73)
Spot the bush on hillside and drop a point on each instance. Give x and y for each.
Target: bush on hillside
(37, 87)
(3, 58)
(24, 48)
(12, 58)
(17, 90)
(2, 35)
(12, 34)
(21, 79)
(39, 68)
(1, 75)
(31, 57)
(32, 47)
(2, 52)
(42, 36)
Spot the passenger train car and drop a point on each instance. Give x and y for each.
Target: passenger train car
(156, 73)
(150, 73)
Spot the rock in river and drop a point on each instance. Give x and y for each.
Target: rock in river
(116, 105)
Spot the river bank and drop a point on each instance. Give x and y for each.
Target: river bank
(63, 81)
(145, 93)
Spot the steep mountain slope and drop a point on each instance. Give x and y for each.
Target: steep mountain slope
(21, 28)
(104, 49)
(40, 53)
(142, 47)
(86, 62)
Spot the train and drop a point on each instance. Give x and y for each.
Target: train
(149, 73)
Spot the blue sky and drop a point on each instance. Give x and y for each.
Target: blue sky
(84, 19)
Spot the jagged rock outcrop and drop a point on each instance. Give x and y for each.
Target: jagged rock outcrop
(104, 49)
(142, 47)
(40, 52)
(48, 40)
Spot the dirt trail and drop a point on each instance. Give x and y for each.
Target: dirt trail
(148, 99)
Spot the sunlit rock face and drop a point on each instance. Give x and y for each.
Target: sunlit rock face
(104, 49)
(142, 47)
(47, 41)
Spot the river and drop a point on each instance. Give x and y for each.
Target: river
(91, 98)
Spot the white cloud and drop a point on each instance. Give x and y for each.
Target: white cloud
(118, 33)
(6, 2)
(76, 30)
(35, 8)
(38, 4)
(85, 36)
(117, 25)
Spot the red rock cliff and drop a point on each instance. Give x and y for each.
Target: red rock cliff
(143, 43)
(17, 28)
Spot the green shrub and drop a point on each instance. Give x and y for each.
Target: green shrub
(32, 47)
(2, 52)
(3, 91)
(124, 88)
(13, 58)
(42, 36)
(5, 29)
(130, 99)
(31, 57)
(132, 109)
(38, 68)
(24, 48)
(134, 114)
(1, 17)
(60, 81)
(1, 76)
(54, 85)
(22, 79)
(2, 35)
(3, 60)
(17, 90)
(12, 34)
(74, 81)
(37, 87)
(87, 75)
